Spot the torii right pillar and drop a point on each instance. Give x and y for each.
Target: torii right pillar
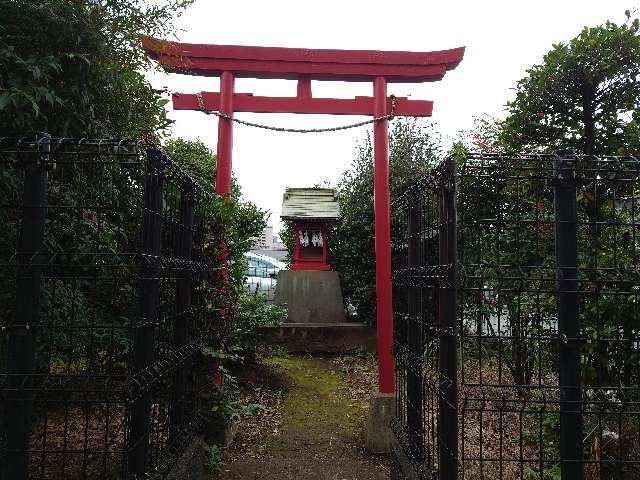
(382, 404)
(382, 211)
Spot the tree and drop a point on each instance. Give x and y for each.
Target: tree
(414, 149)
(517, 194)
(484, 136)
(584, 96)
(237, 221)
(77, 68)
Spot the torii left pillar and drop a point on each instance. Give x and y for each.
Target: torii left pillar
(225, 135)
(224, 173)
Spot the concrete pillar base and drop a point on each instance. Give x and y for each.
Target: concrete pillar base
(382, 409)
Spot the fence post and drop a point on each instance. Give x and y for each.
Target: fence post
(21, 348)
(149, 293)
(414, 332)
(566, 240)
(183, 249)
(448, 402)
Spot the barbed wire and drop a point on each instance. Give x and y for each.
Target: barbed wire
(389, 116)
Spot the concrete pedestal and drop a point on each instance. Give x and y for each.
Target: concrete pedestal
(382, 410)
(311, 296)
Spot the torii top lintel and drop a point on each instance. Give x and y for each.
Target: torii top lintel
(291, 63)
(302, 65)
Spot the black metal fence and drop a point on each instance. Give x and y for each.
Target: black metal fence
(102, 309)
(424, 317)
(547, 328)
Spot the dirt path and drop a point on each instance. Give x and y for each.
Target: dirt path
(312, 426)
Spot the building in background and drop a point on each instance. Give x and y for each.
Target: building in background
(269, 245)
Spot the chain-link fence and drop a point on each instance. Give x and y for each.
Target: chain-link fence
(102, 271)
(547, 327)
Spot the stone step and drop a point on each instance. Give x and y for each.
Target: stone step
(321, 337)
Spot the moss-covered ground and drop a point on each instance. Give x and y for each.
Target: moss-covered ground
(312, 424)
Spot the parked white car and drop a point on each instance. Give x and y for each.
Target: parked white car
(261, 274)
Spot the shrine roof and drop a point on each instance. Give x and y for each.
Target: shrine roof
(310, 204)
(292, 63)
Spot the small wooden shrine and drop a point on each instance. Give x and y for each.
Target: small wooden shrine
(311, 211)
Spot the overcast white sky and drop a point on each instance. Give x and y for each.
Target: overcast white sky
(503, 38)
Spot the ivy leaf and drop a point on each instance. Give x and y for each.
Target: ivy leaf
(5, 99)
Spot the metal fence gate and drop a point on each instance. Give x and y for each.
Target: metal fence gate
(537, 377)
(102, 309)
(424, 256)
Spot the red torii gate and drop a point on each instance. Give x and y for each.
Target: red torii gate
(229, 62)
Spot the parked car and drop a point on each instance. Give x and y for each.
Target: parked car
(261, 274)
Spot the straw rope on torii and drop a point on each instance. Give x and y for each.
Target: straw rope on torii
(390, 116)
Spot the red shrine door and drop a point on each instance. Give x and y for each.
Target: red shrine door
(231, 62)
(313, 256)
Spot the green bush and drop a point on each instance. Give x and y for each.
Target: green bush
(253, 311)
